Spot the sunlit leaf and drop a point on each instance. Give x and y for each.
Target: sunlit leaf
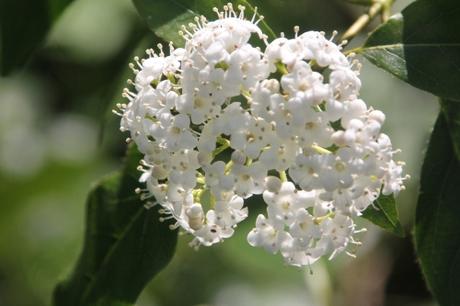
(421, 46)
(384, 214)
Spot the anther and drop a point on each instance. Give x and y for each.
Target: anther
(296, 31)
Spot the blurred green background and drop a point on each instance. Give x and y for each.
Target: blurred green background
(58, 135)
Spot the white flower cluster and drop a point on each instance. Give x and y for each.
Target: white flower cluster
(221, 120)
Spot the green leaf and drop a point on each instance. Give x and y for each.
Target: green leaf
(437, 229)
(383, 213)
(451, 111)
(165, 17)
(421, 46)
(361, 2)
(24, 25)
(125, 244)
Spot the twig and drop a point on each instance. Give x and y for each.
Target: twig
(379, 7)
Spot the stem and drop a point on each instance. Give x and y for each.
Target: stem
(387, 11)
(318, 220)
(281, 68)
(223, 141)
(197, 194)
(225, 144)
(219, 150)
(283, 176)
(228, 167)
(201, 180)
(246, 94)
(381, 6)
(354, 50)
(320, 149)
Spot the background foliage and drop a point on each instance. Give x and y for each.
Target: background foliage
(57, 135)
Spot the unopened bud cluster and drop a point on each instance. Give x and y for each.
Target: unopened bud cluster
(221, 120)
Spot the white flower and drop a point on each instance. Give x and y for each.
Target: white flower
(345, 84)
(210, 234)
(393, 180)
(323, 51)
(200, 108)
(337, 233)
(231, 30)
(297, 252)
(183, 165)
(222, 120)
(249, 180)
(282, 205)
(304, 226)
(179, 135)
(280, 155)
(273, 52)
(234, 119)
(156, 66)
(337, 172)
(208, 137)
(245, 67)
(262, 96)
(217, 179)
(305, 84)
(266, 235)
(228, 211)
(253, 138)
(305, 172)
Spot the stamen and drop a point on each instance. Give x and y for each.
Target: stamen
(254, 15)
(334, 34)
(296, 31)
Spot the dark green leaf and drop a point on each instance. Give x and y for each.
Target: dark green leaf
(361, 2)
(125, 245)
(384, 214)
(437, 229)
(421, 46)
(23, 27)
(451, 111)
(165, 17)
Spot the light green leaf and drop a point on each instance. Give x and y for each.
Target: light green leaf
(421, 46)
(125, 244)
(384, 214)
(437, 229)
(23, 28)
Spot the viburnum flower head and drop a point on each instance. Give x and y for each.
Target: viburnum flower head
(222, 120)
